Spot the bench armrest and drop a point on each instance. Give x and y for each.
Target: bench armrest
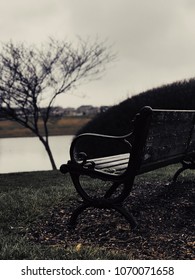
(91, 145)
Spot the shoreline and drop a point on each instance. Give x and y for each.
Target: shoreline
(30, 136)
(56, 127)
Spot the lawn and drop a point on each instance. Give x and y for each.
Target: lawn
(35, 208)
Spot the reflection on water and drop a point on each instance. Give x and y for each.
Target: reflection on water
(28, 154)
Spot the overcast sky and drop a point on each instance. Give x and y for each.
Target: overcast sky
(154, 39)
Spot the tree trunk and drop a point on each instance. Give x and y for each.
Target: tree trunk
(48, 150)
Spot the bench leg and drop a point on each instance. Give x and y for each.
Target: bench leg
(102, 204)
(76, 213)
(179, 171)
(186, 164)
(111, 190)
(128, 216)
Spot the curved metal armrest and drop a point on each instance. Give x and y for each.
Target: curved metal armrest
(89, 137)
(102, 145)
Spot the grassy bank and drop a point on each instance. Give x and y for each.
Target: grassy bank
(26, 198)
(63, 126)
(35, 208)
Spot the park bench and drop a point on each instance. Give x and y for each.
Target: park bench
(157, 138)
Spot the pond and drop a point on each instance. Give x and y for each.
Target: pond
(28, 153)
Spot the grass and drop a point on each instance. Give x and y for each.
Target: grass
(27, 198)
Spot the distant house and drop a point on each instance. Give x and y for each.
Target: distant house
(57, 111)
(87, 110)
(69, 111)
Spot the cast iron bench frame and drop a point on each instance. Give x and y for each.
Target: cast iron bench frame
(132, 165)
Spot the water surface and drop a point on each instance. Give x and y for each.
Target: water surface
(28, 153)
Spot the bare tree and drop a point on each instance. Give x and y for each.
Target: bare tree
(32, 76)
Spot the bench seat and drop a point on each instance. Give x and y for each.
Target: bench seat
(112, 164)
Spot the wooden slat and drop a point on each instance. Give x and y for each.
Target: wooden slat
(115, 165)
(116, 170)
(112, 164)
(110, 158)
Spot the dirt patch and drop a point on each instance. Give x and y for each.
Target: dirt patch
(165, 216)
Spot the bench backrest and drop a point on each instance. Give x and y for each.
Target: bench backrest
(170, 137)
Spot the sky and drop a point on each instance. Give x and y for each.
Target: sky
(154, 40)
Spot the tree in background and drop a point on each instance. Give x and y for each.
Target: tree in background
(32, 77)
